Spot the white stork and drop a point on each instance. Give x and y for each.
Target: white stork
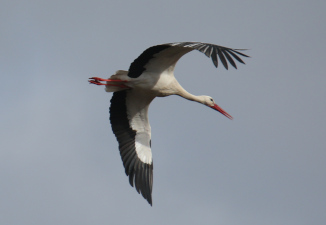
(149, 76)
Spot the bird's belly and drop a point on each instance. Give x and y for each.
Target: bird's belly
(163, 88)
(160, 86)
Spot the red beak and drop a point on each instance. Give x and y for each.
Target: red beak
(217, 108)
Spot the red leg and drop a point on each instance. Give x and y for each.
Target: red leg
(97, 82)
(101, 79)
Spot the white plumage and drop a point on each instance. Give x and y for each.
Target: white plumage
(152, 75)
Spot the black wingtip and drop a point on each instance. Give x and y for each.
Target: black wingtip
(240, 53)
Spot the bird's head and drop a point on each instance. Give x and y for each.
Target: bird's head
(209, 101)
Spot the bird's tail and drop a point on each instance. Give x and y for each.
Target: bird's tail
(116, 85)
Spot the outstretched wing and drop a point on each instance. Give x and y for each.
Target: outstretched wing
(160, 57)
(129, 121)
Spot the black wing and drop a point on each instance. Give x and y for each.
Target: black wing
(160, 57)
(132, 130)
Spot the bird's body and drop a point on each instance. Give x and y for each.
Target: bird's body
(151, 75)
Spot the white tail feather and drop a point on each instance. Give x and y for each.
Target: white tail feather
(119, 75)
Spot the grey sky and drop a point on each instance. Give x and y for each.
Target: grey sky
(59, 160)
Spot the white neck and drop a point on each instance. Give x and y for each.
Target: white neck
(179, 90)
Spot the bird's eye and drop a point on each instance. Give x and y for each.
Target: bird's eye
(211, 100)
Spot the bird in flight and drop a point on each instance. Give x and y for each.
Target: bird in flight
(152, 75)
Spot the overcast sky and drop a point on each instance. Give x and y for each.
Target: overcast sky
(59, 160)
